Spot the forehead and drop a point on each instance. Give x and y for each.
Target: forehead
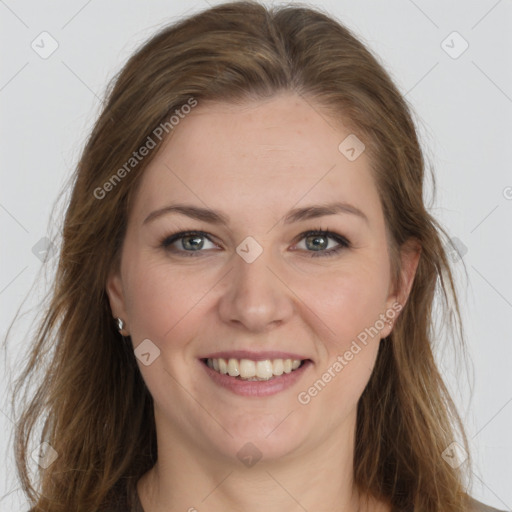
(267, 154)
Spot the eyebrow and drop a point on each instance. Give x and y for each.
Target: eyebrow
(295, 215)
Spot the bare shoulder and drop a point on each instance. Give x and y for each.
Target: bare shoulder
(477, 506)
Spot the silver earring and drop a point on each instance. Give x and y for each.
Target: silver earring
(120, 324)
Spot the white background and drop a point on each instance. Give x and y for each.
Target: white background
(464, 106)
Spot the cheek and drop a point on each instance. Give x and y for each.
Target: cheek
(349, 303)
(350, 307)
(160, 298)
(339, 386)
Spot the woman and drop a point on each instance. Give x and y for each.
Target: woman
(242, 314)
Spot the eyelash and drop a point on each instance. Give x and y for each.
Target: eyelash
(342, 241)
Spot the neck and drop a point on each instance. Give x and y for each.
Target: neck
(318, 477)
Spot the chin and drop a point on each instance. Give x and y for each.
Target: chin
(262, 442)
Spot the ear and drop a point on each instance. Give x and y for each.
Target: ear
(116, 296)
(410, 253)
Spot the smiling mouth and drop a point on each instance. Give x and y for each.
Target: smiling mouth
(249, 370)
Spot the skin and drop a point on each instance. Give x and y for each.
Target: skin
(254, 163)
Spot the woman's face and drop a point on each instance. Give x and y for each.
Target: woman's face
(257, 283)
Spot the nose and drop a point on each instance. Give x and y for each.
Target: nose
(255, 296)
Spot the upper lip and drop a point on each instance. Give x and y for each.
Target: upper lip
(255, 356)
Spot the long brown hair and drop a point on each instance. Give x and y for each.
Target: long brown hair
(96, 410)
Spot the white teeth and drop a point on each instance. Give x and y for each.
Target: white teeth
(233, 369)
(247, 368)
(253, 370)
(278, 367)
(264, 369)
(223, 366)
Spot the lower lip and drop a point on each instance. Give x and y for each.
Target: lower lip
(255, 387)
